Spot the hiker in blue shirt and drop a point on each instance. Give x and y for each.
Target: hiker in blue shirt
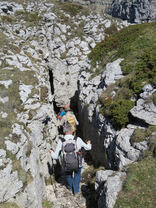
(61, 114)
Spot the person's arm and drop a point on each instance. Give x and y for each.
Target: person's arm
(81, 143)
(55, 154)
(63, 120)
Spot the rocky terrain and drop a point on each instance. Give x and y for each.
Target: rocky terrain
(44, 47)
(134, 11)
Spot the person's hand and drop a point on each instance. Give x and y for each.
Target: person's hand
(88, 142)
(50, 151)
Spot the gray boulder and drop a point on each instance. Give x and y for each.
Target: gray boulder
(145, 111)
(10, 184)
(109, 184)
(134, 11)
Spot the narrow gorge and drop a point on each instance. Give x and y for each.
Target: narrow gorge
(55, 53)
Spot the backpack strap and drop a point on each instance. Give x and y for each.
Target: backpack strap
(62, 139)
(75, 138)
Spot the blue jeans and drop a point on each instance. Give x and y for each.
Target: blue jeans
(73, 180)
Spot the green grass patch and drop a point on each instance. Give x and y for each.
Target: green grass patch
(46, 204)
(6, 19)
(140, 187)
(32, 18)
(73, 9)
(137, 45)
(3, 39)
(111, 30)
(8, 205)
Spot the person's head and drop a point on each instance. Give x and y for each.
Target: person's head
(61, 109)
(67, 129)
(66, 107)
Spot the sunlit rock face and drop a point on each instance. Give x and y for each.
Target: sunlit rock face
(43, 65)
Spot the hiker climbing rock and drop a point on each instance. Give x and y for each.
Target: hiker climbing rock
(70, 118)
(70, 147)
(61, 113)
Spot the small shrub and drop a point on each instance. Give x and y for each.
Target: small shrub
(15, 138)
(139, 135)
(117, 110)
(124, 93)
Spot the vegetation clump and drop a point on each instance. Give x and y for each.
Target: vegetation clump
(140, 186)
(46, 204)
(32, 18)
(136, 44)
(8, 205)
(139, 135)
(73, 9)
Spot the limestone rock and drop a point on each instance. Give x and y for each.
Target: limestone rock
(11, 146)
(109, 184)
(10, 184)
(124, 152)
(134, 11)
(145, 111)
(112, 72)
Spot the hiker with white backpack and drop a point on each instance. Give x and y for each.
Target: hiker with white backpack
(70, 147)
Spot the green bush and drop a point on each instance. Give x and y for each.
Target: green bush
(117, 110)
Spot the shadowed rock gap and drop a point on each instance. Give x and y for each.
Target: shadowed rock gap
(56, 108)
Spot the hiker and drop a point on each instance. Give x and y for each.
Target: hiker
(61, 113)
(70, 147)
(70, 118)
